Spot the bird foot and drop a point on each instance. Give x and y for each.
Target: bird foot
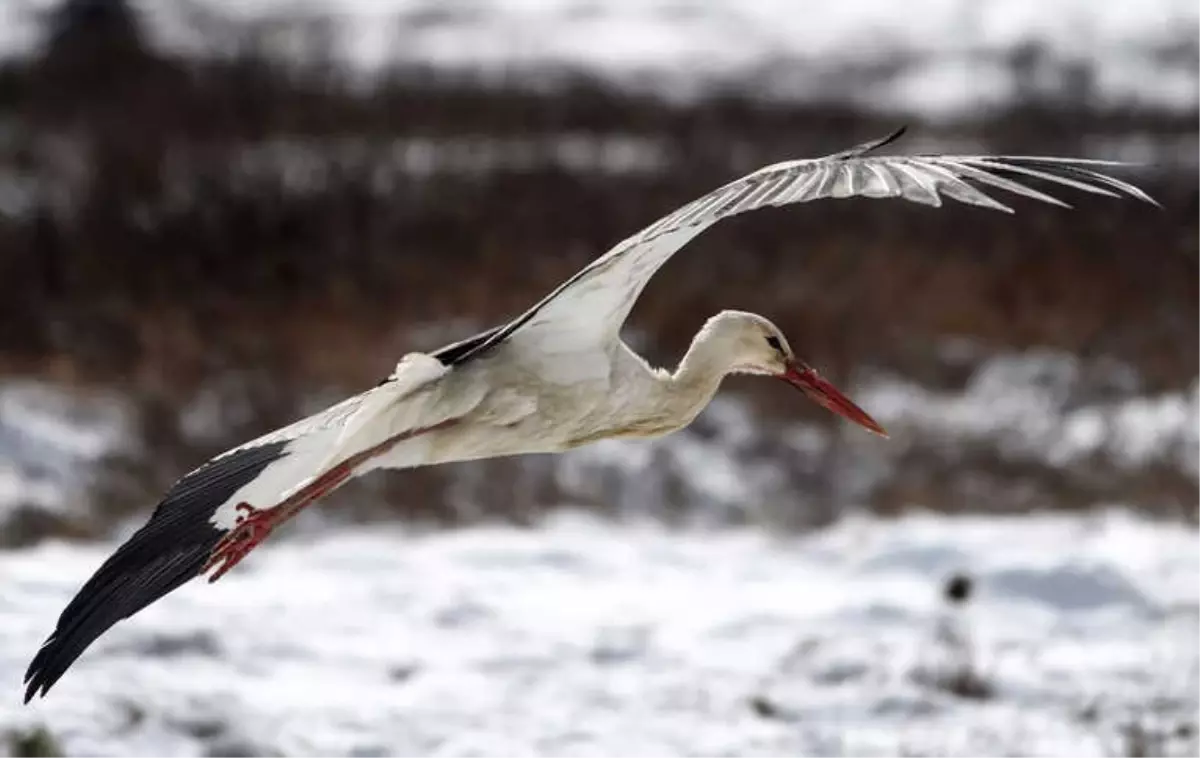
(252, 527)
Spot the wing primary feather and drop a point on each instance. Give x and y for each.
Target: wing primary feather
(169, 550)
(786, 177)
(742, 193)
(701, 209)
(1111, 181)
(883, 173)
(1000, 182)
(926, 193)
(802, 189)
(820, 188)
(954, 186)
(755, 198)
(688, 214)
(845, 187)
(1000, 164)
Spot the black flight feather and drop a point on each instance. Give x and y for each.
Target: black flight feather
(171, 548)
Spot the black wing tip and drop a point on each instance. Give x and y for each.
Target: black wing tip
(35, 687)
(35, 676)
(39, 679)
(49, 664)
(168, 551)
(124, 585)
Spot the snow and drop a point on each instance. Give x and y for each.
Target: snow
(1029, 404)
(683, 45)
(50, 438)
(584, 637)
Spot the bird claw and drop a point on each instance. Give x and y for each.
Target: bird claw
(252, 527)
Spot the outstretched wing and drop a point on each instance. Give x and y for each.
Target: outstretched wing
(591, 306)
(200, 511)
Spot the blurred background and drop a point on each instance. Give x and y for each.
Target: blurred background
(216, 217)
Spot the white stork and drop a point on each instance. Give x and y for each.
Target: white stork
(556, 377)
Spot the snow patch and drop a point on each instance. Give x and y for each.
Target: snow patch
(584, 637)
(49, 440)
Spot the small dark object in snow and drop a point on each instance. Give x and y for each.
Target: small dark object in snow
(958, 589)
(201, 642)
(132, 711)
(1090, 713)
(967, 684)
(402, 672)
(206, 729)
(765, 708)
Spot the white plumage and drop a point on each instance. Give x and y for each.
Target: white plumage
(556, 377)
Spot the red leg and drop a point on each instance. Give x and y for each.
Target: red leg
(253, 525)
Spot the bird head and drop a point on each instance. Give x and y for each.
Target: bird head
(756, 346)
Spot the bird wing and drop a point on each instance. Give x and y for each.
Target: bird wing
(589, 308)
(199, 511)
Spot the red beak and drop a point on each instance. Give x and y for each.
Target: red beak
(827, 396)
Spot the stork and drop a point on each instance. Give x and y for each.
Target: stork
(556, 377)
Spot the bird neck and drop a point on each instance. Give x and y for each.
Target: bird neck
(698, 377)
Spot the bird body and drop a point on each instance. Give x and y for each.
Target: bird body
(555, 378)
(496, 407)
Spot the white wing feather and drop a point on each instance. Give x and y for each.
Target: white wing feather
(326, 438)
(588, 310)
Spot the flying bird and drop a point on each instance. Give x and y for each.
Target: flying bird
(556, 377)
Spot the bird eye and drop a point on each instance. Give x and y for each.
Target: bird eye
(773, 341)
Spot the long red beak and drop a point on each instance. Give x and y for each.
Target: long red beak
(827, 396)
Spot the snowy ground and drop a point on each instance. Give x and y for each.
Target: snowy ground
(586, 638)
(50, 441)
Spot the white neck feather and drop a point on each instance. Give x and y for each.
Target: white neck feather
(686, 391)
(705, 363)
